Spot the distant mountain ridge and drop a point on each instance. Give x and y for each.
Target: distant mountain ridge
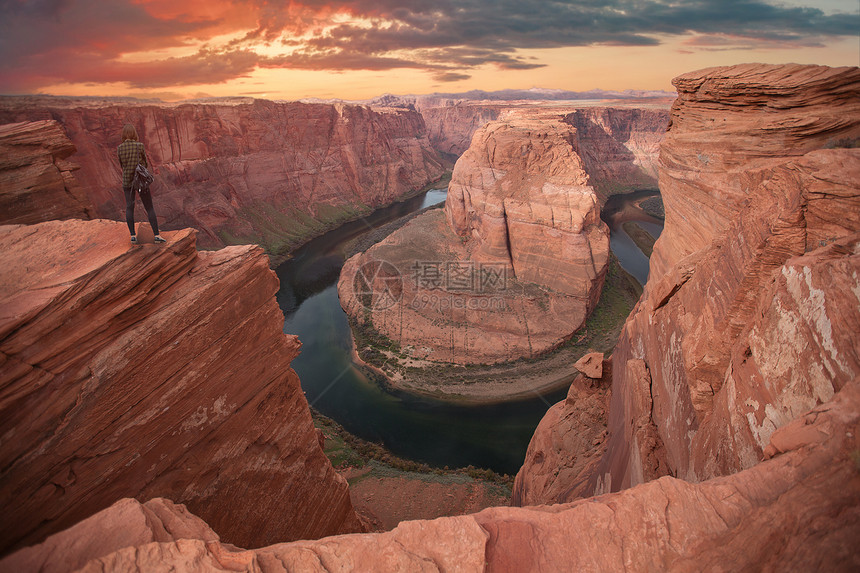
(531, 94)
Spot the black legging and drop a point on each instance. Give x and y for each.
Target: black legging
(146, 198)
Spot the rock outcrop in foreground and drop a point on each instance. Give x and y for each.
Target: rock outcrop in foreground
(752, 312)
(36, 180)
(796, 511)
(152, 371)
(511, 269)
(272, 173)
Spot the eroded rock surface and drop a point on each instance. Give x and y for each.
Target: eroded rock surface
(752, 312)
(37, 181)
(567, 445)
(730, 124)
(273, 173)
(152, 371)
(796, 511)
(511, 269)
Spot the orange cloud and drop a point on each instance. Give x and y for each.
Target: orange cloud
(51, 42)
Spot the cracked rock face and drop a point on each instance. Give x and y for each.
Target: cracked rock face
(751, 314)
(153, 370)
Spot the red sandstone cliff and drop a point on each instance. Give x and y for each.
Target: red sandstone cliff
(619, 146)
(36, 181)
(796, 511)
(452, 123)
(266, 172)
(152, 371)
(730, 124)
(511, 269)
(752, 312)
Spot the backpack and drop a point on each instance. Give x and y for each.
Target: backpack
(142, 179)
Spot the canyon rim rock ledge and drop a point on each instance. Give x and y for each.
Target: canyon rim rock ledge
(152, 371)
(751, 314)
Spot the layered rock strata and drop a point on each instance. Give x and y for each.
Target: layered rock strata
(619, 146)
(37, 181)
(732, 123)
(567, 444)
(273, 173)
(452, 123)
(512, 267)
(809, 486)
(752, 310)
(151, 371)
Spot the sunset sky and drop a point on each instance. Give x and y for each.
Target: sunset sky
(357, 49)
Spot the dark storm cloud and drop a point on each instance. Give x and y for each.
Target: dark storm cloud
(77, 40)
(517, 24)
(493, 30)
(450, 77)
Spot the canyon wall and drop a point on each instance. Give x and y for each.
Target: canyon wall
(511, 268)
(148, 371)
(751, 314)
(36, 179)
(728, 125)
(620, 146)
(452, 123)
(246, 171)
(795, 511)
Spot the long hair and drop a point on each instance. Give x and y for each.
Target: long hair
(129, 132)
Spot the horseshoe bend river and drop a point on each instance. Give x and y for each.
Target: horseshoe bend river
(435, 432)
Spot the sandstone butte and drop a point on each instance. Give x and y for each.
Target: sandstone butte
(751, 315)
(273, 173)
(798, 510)
(517, 260)
(152, 371)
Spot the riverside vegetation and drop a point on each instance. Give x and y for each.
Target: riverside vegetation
(383, 358)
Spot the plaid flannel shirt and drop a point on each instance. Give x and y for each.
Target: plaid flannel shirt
(130, 153)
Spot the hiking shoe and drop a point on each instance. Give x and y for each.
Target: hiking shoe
(133, 240)
(159, 239)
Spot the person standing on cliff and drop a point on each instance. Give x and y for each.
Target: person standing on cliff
(130, 153)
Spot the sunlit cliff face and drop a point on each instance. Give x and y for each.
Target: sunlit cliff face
(356, 49)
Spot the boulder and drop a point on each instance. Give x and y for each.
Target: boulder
(591, 365)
